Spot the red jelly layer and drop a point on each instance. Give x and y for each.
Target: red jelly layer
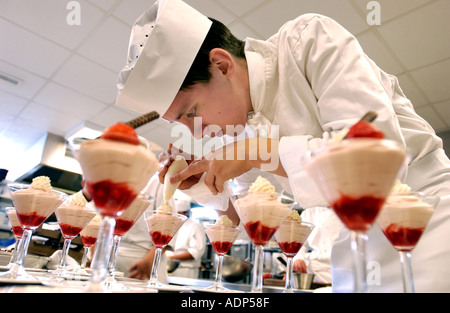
(403, 238)
(290, 248)
(221, 247)
(69, 230)
(122, 226)
(88, 241)
(110, 197)
(259, 233)
(160, 240)
(31, 220)
(18, 231)
(358, 214)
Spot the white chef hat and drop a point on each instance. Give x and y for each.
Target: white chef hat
(164, 42)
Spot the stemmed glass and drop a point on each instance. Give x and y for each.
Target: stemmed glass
(403, 220)
(290, 236)
(114, 171)
(162, 226)
(261, 215)
(123, 225)
(222, 238)
(355, 176)
(72, 218)
(17, 230)
(89, 238)
(32, 208)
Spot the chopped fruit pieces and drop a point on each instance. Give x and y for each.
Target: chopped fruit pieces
(364, 129)
(121, 132)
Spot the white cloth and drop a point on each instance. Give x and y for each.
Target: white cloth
(317, 79)
(190, 238)
(327, 227)
(203, 196)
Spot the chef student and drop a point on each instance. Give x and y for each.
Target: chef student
(308, 80)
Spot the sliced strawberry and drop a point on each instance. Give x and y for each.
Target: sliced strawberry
(121, 132)
(364, 129)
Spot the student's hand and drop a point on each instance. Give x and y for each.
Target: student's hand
(166, 158)
(299, 266)
(217, 167)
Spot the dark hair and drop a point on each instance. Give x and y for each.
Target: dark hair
(219, 36)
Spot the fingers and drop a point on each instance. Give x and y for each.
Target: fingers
(210, 183)
(193, 169)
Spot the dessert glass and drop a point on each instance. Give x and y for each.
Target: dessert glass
(403, 220)
(114, 173)
(162, 226)
(261, 214)
(31, 213)
(290, 236)
(355, 176)
(17, 230)
(71, 219)
(222, 238)
(89, 238)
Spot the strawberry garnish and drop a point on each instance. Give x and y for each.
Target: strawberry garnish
(364, 129)
(121, 132)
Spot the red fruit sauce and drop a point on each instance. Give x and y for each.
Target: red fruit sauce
(259, 233)
(31, 220)
(111, 198)
(357, 214)
(221, 247)
(290, 248)
(69, 230)
(160, 240)
(88, 241)
(122, 226)
(403, 238)
(18, 231)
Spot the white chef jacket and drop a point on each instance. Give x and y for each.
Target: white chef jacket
(312, 77)
(190, 238)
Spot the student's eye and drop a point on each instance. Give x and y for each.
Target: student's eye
(191, 113)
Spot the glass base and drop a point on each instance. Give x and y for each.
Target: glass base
(219, 288)
(18, 273)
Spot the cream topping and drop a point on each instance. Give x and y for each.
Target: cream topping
(224, 220)
(293, 215)
(41, 183)
(262, 185)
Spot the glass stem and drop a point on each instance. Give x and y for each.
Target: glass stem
(113, 257)
(288, 288)
(23, 247)
(408, 282)
(358, 245)
(257, 281)
(64, 253)
(218, 282)
(154, 273)
(15, 252)
(102, 253)
(84, 259)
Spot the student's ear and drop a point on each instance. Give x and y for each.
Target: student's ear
(223, 60)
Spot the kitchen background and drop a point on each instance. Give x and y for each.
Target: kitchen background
(57, 77)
